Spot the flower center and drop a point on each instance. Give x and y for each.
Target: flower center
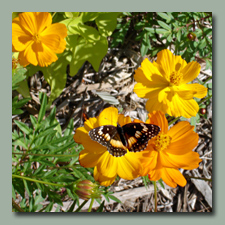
(36, 38)
(162, 141)
(175, 77)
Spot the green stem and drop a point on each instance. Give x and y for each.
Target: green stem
(37, 181)
(81, 206)
(204, 99)
(155, 194)
(47, 155)
(174, 120)
(90, 206)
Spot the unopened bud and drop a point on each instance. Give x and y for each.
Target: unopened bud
(191, 36)
(85, 189)
(202, 111)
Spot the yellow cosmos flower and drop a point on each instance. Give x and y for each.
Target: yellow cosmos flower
(165, 84)
(106, 166)
(169, 151)
(37, 39)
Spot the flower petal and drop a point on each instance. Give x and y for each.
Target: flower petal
(144, 73)
(28, 22)
(46, 57)
(129, 166)
(90, 124)
(108, 116)
(190, 72)
(158, 118)
(30, 54)
(167, 61)
(107, 165)
(103, 180)
(44, 20)
(187, 161)
(20, 39)
(180, 130)
(198, 90)
(88, 159)
(184, 139)
(122, 120)
(144, 91)
(181, 107)
(52, 41)
(58, 29)
(154, 105)
(148, 159)
(155, 175)
(22, 60)
(172, 177)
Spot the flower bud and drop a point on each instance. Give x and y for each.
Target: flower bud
(191, 36)
(203, 111)
(85, 189)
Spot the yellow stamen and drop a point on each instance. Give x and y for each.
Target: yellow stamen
(162, 141)
(36, 38)
(175, 78)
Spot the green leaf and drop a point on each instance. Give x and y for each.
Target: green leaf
(179, 35)
(90, 34)
(13, 193)
(89, 16)
(23, 89)
(50, 173)
(202, 44)
(26, 185)
(150, 29)
(55, 75)
(69, 128)
(43, 108)
(72, 206)
(92, 52)
(33, 120)
(17, 77)
(145, 44)
(100, 208)
(49, 207)
(20, 143)
(161, 183)
(19, 104)
(114, 198)
(16, 111)
(106, 23)
(193, 122)
(23, 127)
(62, 148)
(161, 31)
(164, 16)
(164, 25)
(72, 14)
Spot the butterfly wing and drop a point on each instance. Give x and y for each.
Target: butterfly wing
(109, 137)
(138, 135)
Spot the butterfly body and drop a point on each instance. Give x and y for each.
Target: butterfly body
(132, 136)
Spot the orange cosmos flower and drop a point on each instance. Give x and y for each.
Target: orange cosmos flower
(165, 84)
(106, 166)
(37, 39)
(169, 151)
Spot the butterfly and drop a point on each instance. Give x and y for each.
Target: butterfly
(117, 139)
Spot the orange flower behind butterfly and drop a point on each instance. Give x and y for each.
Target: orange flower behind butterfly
(169, 151)
(36, 39)
(106, 165)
